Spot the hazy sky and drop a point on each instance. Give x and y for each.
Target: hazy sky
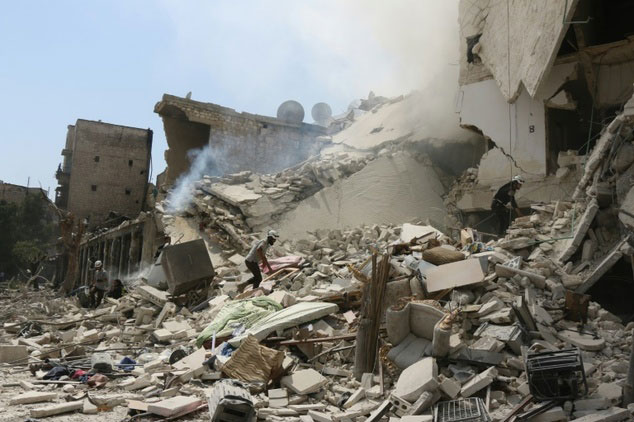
(112, 60)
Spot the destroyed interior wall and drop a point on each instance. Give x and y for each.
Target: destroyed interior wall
(237, 141)
(105, 169)
(571, 67)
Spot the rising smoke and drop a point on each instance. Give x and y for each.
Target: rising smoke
(207, 161)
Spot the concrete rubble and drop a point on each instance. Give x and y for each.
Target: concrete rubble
(457, 328)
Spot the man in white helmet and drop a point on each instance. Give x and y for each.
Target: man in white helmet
(500, 205)
(99, 286)
(257, 254)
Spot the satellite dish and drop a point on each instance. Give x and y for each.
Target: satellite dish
(321, 112)
(291, 111)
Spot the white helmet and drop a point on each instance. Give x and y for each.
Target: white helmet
(519, 179)
(98, 264)
(273, 234)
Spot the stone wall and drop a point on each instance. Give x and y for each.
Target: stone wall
(109, 170)
(238, 141)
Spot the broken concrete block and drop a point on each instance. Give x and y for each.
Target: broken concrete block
(319, 416)
(89, 408)
(33, 397)
(492, 305)
(591, 404)
(417, 378)
(278, 397)
(57, 409)
(478, 382)
(503, 316)
(174, 406)
(162, 335)
(149, 293)
(613, 414)
(417, 418)
(305, 381)
(582, 341)
(450, 387)
(611, 392)
(10, 353)
(551, 415)
(357, 396)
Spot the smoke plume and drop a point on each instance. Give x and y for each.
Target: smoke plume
(207, 161)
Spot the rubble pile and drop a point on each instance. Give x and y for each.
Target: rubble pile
(241, 203)
(460, 329)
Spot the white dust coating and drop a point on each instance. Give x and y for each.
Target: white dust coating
(388, 190)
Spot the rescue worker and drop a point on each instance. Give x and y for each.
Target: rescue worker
(503, 197)
(257, 254)
(99, 285)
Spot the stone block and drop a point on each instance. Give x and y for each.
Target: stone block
(89, 408)
(419, 377)
(319, 416)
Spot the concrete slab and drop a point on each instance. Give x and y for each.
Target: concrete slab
(174, 406)
(305, 381)
(419, 377)
(186, 266)
(582, 341)
(455, 274)
(278, 397)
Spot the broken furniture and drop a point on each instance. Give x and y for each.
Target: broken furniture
(411, 331)
(188, 270)
(471, 409)
(556, 375)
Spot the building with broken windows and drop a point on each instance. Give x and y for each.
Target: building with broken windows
(105, 170)
(540, 80)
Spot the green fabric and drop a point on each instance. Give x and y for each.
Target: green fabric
(246, 311)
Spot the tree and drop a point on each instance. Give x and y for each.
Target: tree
(27, 231)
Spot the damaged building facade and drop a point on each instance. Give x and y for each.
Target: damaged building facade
(236, 141)
(540, 80)
(105, 170)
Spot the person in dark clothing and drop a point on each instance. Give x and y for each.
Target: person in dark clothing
(257, 254)
(116, 290)
(503, 197)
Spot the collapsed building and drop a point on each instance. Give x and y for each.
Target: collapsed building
(540, 80)
(383, 304)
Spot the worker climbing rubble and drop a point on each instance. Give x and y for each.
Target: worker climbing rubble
(500, 205)
(257, 254)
